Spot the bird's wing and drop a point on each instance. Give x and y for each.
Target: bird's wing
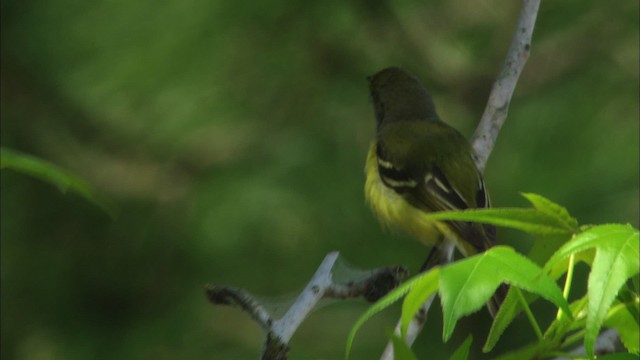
(429, 189)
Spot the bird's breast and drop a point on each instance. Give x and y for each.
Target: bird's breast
(393, 211)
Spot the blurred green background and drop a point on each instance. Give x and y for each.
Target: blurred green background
(232, 137)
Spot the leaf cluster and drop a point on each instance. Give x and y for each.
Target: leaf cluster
(611, 300)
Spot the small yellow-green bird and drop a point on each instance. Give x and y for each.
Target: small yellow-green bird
(418, 164)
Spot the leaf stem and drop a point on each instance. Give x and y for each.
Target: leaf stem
(564, 355)
(527, 310)
(567, 283)
(573, 338)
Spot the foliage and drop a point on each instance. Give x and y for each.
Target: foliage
(611, 251)
(63, 180)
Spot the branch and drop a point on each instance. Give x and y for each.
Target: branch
(372, 286)
(497, 108)
(486, 133)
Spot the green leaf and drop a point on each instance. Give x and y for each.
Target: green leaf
(426, 285)
(557, 332)
(462, 353)
(618, 356)
(527, 352)
(579, 310)
(401, 351)
(632, 301)
(560, 267)
(552, 209)
(625, 323)
(508, 310)
(380, 305)
(529, 220)
(616, 260)
(467, 285)
(543, 248)
(52, 174)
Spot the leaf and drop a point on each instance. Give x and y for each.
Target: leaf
(624, 322)
(462, 353)
(562, 325)
(615, 261)
(380, 305)
(467, 285)
(618, 356)
(543, 248)
(508, 310)
(401, 351)
(529, 220)
(632, 301)
(579, 311)
(426, 285)
(552, 209)
(528, 352)
(53, 174)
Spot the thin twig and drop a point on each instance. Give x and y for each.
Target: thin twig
(222, 295)
(285, 327)
(497, 108)
(372, 286)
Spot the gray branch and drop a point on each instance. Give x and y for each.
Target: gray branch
(497, 108)
(372, 286)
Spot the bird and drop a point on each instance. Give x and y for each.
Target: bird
(418, 164)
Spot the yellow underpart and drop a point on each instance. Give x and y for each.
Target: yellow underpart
(394, 212)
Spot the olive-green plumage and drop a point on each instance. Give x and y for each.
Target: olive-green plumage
(419, 164)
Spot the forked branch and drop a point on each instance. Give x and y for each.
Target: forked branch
(373, 285)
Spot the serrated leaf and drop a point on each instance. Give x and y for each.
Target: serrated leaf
(46, 171)
(552, 209)
(579, 310)
(527, 352)
(401, 351)
(615, 261)
(561, 267)
(543, 248)
(465, 286)
(462, 352)
(426, 285)
(528, 220)
(625, 323)
(618, 356)
(380, 305)
(508, 310)
(632, 301)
